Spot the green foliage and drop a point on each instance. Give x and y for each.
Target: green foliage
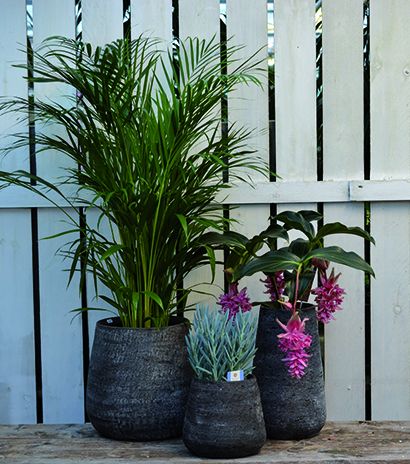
(294, 258)
(217, 344)
(146, 152)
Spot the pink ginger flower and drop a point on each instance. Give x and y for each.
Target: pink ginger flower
(329, 297)
(235, 300)
(294, 342)
(275, 286)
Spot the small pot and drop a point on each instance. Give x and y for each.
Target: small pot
(224, 419)
(292, 408)
(138, 381)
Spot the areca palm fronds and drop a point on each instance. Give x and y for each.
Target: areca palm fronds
(150, 158)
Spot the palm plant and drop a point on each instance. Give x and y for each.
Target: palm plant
(147, 154)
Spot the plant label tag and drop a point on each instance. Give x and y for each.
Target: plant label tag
(235, 376)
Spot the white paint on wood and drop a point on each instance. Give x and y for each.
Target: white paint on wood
(295, 89)
(17, 363)
(102, 21)
(199, 19)
(390, 224)
(152, 19)
(343, 158)
(17, 371)
(295, 96)
(247, 25)
(62, 365)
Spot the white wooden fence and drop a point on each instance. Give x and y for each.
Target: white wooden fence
(367, 350)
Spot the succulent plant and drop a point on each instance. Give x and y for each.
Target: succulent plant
(218, 343)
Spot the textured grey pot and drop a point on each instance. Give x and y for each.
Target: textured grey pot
(224, 419)
(293, 408)
(138, 381)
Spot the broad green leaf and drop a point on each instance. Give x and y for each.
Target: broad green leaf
(299, 247)
(275, 231)
(270, 262)
(310, 215)
(229, 238)
(293, 220)
(338, 255)
(339, 228)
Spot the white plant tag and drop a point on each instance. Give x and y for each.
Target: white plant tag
(235, 376)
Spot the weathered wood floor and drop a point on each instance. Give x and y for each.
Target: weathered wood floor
(372, 442)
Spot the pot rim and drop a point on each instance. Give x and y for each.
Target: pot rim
(305, 306)
(104, 324)
(249, 379)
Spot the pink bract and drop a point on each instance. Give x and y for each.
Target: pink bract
(329, 297)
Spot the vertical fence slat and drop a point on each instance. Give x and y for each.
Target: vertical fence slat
(102, 22)
(248, 106)
(390, 222)
(62, 367)
(17, 363)
(201, 19)
(343, 159)
(152, 19)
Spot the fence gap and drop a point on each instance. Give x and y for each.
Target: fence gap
(34, 220)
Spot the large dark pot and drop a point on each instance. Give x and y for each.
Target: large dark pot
(224, 419)
(138, 381)
(293, 408)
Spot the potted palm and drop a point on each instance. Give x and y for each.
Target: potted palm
(147, 155)
(288, 363)
(224, 416)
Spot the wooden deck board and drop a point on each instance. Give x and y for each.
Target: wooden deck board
(359, 442)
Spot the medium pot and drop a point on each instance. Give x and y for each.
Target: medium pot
(138, 381)
(292, 408)
(224, 419)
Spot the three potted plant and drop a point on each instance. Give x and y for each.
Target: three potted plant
(288, 360)
(148, 156)
(224, 416)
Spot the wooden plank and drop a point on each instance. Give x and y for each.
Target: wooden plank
(201, 19)
(102, 21)
(295, 95)
(152, 19)
(365, 443)
(248, 106)
(332, 191)
(295, 89)
(343, 159)
(61, 346)
(17, 363)
(100, 26)
(390, 224)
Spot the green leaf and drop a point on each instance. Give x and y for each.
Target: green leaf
(336, 254)
(272, 261)
(229, 239)
(310, 215)
(184, 225)
(154, 296)
(339, 228)
(293, 220)
(275, 231)
(110, 251)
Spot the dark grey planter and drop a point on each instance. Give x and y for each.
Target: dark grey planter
(138, 381)
(292, 408)
(224, 419)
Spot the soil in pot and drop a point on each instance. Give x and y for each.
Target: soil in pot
(292, 408)
(138, 381)
(224, 419)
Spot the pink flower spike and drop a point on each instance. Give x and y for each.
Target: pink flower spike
(234, 301)
(294, 342)
(329, 297)
(275, 285)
